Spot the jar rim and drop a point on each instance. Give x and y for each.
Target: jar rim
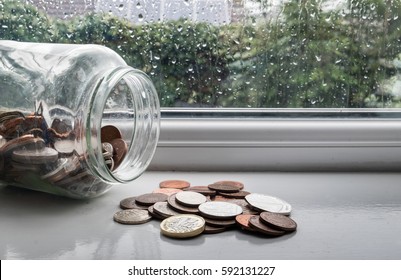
(143, 115)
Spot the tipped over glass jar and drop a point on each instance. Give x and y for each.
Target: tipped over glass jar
(74, 119)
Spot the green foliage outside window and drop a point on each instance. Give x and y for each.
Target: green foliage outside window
(307, 57)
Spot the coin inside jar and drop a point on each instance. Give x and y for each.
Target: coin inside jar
(109, 133)
(120, 150)
(182, 226)
(41, 156)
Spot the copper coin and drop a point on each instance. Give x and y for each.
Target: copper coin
(243, 221)
(154, 214)
(174, 184)
(120, 150)
(224, 188)
(130, 203)
(181, 208)
(231, 183)
(190, 199)
(109, 133)
(219, 223)
(219, 210)
(41, 156)
(212, 230)
(221, 198)
(256, 224)
(162, 209)
(24, 142)
(167, 191)
(236, 195)
(151, 198)
(201, 189)
(278, 221)
(132, 216)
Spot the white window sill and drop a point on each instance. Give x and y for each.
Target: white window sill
(339, 216)
(280, 144)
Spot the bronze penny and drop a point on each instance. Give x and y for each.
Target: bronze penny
(120, 150)
(167, 191)
(219, 223)
(222, 198)
(130, 203)
(174, 184)
(212, 230)
(278, 221)
(224, 188)
(236, 195)
(151, 198)
(24, 142)
(181, 208)
(109, 133)
(243, 221)
(202, 190)
(256, 224)
(231, 183)
(132, 216)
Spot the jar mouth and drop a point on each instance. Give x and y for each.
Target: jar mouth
(124, 99)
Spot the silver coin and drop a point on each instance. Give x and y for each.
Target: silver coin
(132, 216)
(191, 199)
(108, 150)
(41, 156)
(65, 166)
(219, 210)
(164, 210)
(64, 146)
(268, 203)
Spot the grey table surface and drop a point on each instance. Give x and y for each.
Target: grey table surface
(339, 216)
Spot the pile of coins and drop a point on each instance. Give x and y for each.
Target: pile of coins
(51, 158)
(187, 211)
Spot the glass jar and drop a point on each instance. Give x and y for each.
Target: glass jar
(74, 119)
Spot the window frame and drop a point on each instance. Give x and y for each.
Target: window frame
(279, 140)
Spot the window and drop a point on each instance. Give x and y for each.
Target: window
(236, 53)
(249, 84)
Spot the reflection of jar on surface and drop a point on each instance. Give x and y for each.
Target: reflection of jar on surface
(74, 119)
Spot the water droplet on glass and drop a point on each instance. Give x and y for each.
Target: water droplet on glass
(140, 17)
(318, 58)
(121, 7)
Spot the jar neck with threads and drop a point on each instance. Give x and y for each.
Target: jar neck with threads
(123, 98)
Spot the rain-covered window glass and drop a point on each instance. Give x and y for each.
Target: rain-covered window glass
(235, 53)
